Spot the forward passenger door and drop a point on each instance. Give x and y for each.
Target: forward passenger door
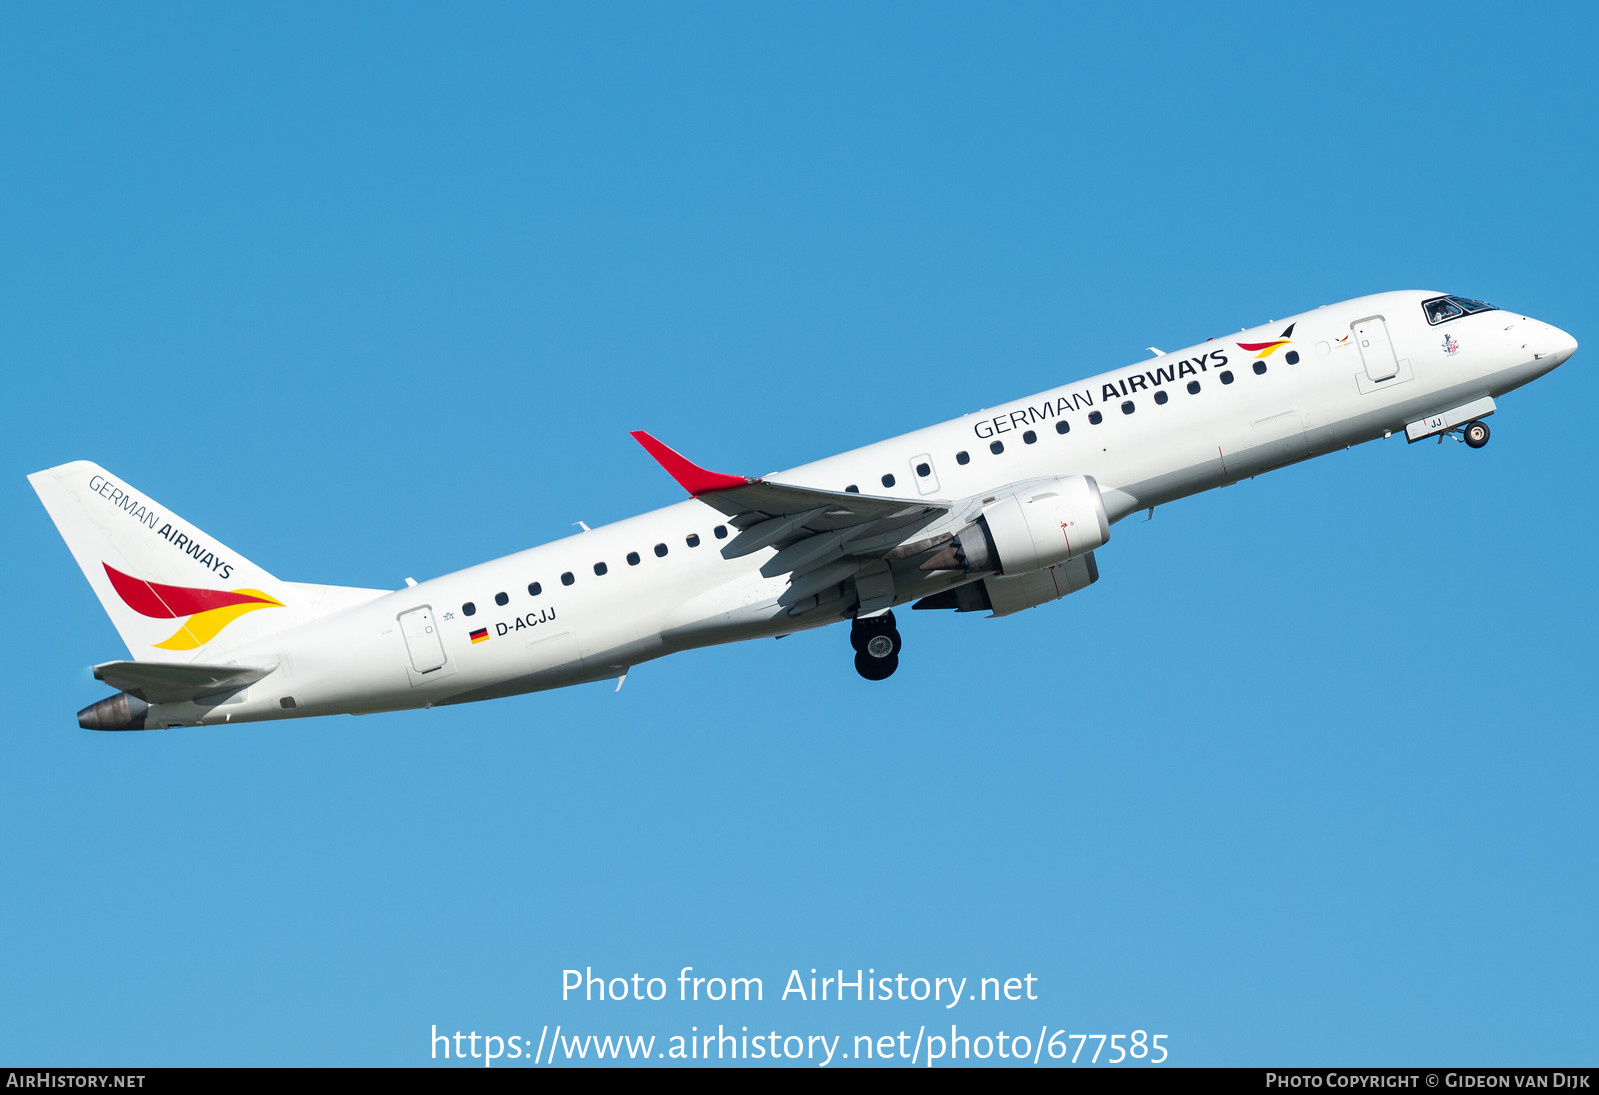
(1376, 348)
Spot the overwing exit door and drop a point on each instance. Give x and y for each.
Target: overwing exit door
(923, 474)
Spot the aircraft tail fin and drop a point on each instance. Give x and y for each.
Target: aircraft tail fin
(169, 588)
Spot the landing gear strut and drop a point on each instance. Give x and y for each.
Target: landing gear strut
(876, 641)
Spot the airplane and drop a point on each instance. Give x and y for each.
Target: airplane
(997, 511)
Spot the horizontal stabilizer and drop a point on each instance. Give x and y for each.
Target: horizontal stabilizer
(165, 682)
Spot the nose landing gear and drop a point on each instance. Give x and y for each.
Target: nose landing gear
(877, 643)
(1474, 433)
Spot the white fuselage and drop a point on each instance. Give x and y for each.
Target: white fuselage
(1312, 394)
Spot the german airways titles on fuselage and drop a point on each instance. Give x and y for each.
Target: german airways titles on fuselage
(1119, 388)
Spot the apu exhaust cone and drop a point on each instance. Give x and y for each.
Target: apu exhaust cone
(119, 712)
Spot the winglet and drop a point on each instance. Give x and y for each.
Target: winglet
(689, 475)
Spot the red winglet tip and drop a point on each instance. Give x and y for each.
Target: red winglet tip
(689, 475)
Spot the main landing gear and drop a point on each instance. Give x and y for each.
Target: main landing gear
(876, 641)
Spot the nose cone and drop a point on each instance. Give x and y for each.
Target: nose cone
(1554, 346)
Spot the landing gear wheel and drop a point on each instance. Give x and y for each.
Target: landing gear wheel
(876, 669)
(1476, 434)
(862, 631)
(877, 644)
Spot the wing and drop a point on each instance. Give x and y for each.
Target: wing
(821, 537)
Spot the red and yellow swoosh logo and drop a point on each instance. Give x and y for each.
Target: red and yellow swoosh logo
(209, 610)
(1266, 349)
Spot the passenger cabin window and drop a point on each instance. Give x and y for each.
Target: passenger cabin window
(469, 609)
(1128, 408)
(924, 470)
(1226, 376)
(1292, 357)
(632, 558)
(534, 589)
(1029, 437)
(1161, 397)
(1063, 426)
(567, 578)
(502, 599)
(692, 539)
(1193, 387)
(852, 489)
(660, 550)
(1442, 309)
(888, 480)
(720, 532)
(996, 447)
(963, 457)
(1095, 418)
(600, 568)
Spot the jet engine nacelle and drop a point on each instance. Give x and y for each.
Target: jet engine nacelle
(1038, 526)
(1003, 596)
(1037, 587)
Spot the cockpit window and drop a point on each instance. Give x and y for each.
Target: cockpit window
(1443, 309)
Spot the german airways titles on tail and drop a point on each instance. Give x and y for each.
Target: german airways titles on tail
(997, 511)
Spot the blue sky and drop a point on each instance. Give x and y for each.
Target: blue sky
(368, 294)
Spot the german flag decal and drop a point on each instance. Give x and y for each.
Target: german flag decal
(481, 635)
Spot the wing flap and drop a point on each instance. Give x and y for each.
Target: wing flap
(766, 533)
